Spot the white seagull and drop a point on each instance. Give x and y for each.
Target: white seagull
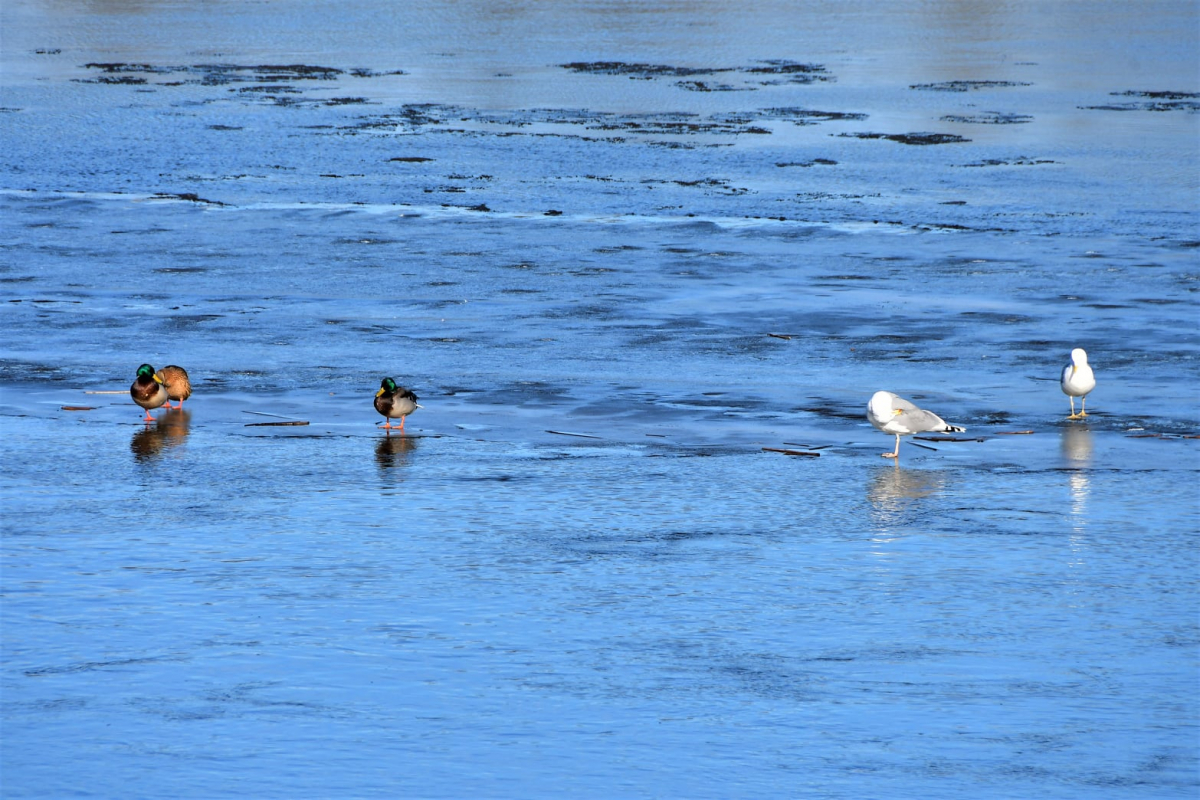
(1077, 381)
(893, 414)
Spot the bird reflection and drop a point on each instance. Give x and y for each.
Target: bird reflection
(392, 451)
(892, 491)
(169, 430)
(891, 486)
(1076, 448)
(1076, 444)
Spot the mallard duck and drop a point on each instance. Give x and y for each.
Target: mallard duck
(394, 401)
(1077, 381)
(177, 383)
(148, 390)
(893, 414)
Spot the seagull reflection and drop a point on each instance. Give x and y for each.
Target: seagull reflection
(392, 451)
(1076, 444)
(1076, 448)
(892, 490)
(893, 485)
(169, 430)
(1080, 489)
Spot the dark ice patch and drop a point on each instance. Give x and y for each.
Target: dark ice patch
(966, 86)
(267, 72)
(671, 124)
(14, 371)
(816, 161)
(271, 83)
(1019, 161)
(994, 318)
(643, 71)
(218, 74)
(131, 80)
(989, 118)
(121, 66)
(190, 197)
(716, 185)
(808, 116)
(580, 123)
(910, 138)
(777, 71)
(1152, 101)
(365, 240)
(189, 321)
(794, 70)
(704, 86)
(360, 72)
(269, 88)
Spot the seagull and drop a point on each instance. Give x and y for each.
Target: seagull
(1077, 381)
(394, 401)
(893, 414)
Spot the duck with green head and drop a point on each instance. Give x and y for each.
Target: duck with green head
(148, 390)
(394, 401)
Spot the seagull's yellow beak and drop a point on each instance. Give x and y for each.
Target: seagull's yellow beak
(1073, 368)
(377, 394)
(896, 412)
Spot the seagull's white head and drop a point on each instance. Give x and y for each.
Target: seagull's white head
(1078, 357)
(881, 405)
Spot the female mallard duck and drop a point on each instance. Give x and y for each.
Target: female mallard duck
(148, 390)
(394, 401)
(177, 383)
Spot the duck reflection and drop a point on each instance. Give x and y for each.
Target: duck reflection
(169, 430)
(393, 451)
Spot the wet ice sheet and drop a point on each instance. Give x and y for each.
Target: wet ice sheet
(1015, 612)
(615, 266)
(593, 310)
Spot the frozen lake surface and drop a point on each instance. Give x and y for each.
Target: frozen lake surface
(617, 251)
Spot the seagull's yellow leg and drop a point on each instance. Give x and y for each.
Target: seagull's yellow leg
(895, 454)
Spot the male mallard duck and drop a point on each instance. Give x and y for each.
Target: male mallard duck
(394, 401)
(1077, 381)
(148, 390)
(893, 414)
(177, 383)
